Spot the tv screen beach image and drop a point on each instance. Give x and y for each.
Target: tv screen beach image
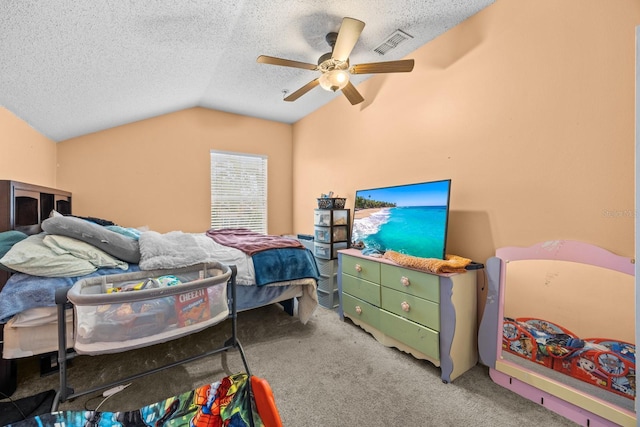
(410, 219)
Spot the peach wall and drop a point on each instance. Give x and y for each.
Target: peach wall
(527, 106)
(156, 172)
(25, 154)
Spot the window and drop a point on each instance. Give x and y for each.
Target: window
(239, 191)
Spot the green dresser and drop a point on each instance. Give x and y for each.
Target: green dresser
(431, 316)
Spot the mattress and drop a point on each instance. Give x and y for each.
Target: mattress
(33, 332)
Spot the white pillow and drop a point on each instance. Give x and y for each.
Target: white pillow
(32, 256)
(67, 245)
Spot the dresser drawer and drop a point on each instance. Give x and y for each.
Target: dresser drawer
(361, 310)
(414, 282)
(419, 310)
(362, 268)
(418, 337)
(362, 289)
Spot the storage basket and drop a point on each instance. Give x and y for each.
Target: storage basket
(331, 203)
(327, 284)
(328, 299)
(328, 268)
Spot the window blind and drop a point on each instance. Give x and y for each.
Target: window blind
(239, 191)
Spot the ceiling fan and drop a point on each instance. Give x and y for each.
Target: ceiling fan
(334, 66)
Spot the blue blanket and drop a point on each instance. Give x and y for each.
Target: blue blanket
(23, 291)
(282, 264)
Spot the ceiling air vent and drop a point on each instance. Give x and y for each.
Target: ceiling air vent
(392, 42)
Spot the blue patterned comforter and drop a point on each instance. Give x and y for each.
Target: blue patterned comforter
(23, 291)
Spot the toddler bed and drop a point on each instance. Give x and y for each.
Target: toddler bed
(269, 269)
(558, 329)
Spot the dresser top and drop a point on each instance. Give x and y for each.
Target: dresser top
(358, 253)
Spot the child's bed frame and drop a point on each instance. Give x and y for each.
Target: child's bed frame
(226, 278)
(541, 385)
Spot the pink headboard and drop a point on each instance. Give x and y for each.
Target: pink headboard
(569, 250)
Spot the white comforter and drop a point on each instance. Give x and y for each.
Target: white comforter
(177, 249)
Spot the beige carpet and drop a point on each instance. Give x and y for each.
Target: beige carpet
(325, 373)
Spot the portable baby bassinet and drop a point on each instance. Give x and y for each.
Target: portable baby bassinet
(132, 310)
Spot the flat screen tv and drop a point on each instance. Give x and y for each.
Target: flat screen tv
(411, 219)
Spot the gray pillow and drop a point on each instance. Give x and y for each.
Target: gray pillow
(115, 244)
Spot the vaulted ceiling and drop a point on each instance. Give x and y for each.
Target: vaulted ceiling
(71, 67)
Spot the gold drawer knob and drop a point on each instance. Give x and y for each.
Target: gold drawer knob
(405, 306)
(358, 268)
(358, 309)
(405, 281)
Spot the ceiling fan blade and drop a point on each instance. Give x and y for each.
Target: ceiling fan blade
(402, 66)
(264, 59)
(348, 35)
(304, 89)
(352, 94)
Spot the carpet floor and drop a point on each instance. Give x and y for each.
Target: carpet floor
(325, 373)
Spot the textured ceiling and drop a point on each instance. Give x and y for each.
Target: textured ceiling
(71, 67)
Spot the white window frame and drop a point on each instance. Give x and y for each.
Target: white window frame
(238, 191)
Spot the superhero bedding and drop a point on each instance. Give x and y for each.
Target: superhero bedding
(269, 269)
(605, 363)
(227, 402)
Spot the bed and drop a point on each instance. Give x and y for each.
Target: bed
(269, 269)
(558, 329)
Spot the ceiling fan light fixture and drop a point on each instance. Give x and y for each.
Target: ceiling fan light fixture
(334, 80)
(334, 67)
